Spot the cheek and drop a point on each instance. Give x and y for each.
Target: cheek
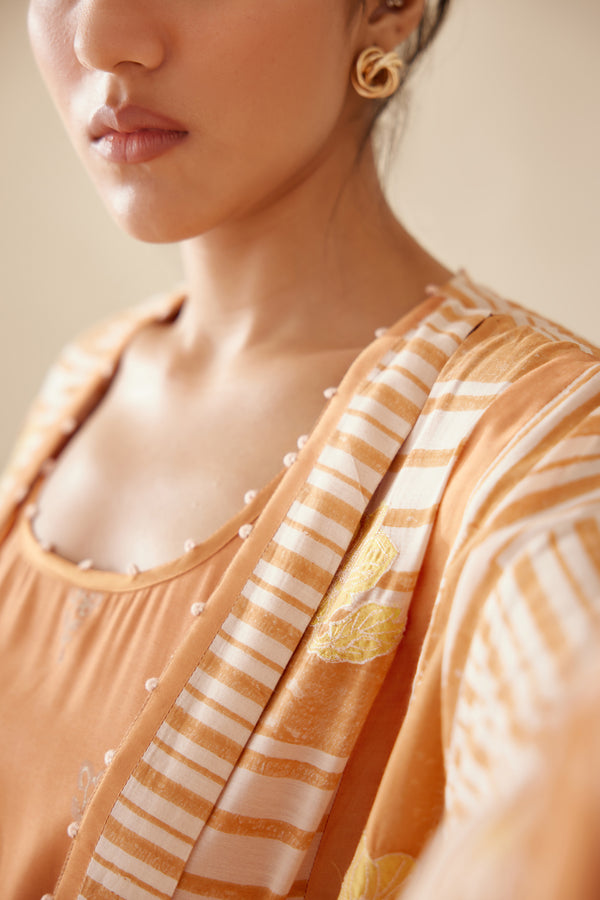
(52, 45)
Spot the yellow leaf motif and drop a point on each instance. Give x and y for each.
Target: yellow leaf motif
(369, 558)
(375, 879)
(370, 631)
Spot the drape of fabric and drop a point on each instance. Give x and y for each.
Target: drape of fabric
(395, 628)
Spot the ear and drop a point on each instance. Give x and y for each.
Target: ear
(388, 26)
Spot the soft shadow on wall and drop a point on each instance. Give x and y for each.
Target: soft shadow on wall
(497, 171)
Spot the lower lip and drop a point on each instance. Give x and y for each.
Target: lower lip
(139, 146)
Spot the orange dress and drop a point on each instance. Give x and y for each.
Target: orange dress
(378, 656)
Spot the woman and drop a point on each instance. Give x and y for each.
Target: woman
(247, 655)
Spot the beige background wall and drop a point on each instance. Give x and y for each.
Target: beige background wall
(497, 171)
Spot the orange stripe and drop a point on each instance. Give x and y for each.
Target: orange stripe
(589, 535)
(453, 403)
(584, 600)
(547, 622)
(203, 736)
(224, 890)
(301, 568)
(392, 400)
(429, 352)
(538, 501)
(361, 450)
(259, 657)
(290, 769)
(164, 787)
(267, 829)
(422, 458)
(93, 891)
(144, 814)
(141, 848)
(281, 595)
(241, 682)
(410, 518)
(316, 536)
(398, 581)
(270, 624)
(329, 505)
(376, 423)
(174, 754)
(351, 482)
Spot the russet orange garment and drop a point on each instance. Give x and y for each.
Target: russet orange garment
(382, 648)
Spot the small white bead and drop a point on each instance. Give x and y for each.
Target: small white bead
(431, 289)
(289, 459)
(68, 426)
(197, 609)
(329, 393)
(189, 545)
(85, 565)
(48, 897)
(380, 332)
(302, 441)
(73, 830)
(245, 531)
(31, 510)
(151, 685)
(109, 757)
(132, 569)
(249, 496)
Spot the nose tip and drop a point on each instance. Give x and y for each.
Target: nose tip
(112, 33)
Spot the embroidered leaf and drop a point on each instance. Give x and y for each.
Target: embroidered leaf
(370, 631)
(375, 879)
(370, 557)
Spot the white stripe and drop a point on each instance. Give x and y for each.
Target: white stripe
(287, 583)
(475, 389)
(120, 886)
(224, 695)
(322, 524)
(266, 863)
(275, 606)
(307, 547)
(133, 866)
(383, 414)
(194, 752)
(150, 831)
(360, 428)
(289, 800)
(241, 660)
(162, 809)
(335, 486)
(269, 747)
(257, 640)
(180, 773)
(210, 717)
(343, 462)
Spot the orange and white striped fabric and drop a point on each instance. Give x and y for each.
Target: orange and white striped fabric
(399, 624)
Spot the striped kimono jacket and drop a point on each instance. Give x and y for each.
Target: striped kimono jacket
(398, 623)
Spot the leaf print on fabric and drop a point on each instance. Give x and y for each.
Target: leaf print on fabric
(372, 630)
(375, 879)
(349, 626)
(79, 607)
(369, 558)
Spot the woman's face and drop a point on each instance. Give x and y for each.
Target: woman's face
(189, 113)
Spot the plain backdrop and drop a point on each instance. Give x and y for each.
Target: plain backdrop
(497, 170)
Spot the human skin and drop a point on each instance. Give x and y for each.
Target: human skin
(292, 256)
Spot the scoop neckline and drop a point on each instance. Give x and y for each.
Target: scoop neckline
(119, 582)
(51, 562)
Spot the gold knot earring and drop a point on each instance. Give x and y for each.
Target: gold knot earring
(376, 74)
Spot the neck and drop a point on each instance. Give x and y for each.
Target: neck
(327, 253)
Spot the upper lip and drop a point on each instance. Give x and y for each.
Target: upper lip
(129, 119)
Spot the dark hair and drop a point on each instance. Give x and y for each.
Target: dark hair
(434, 15)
